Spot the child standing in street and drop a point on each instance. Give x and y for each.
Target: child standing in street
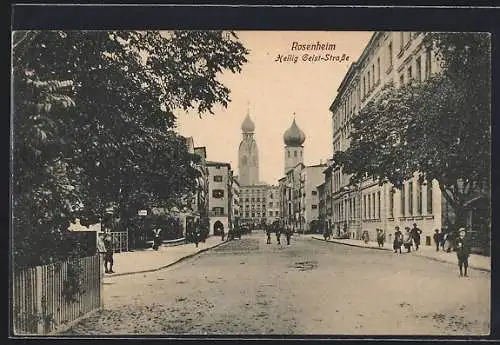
(463, 251)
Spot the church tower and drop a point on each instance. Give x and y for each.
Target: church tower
(294, 151)
(248, 155)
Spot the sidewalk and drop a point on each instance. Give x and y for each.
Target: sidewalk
(149, 260)
(479, 262)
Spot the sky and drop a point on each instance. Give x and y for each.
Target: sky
(272, 92)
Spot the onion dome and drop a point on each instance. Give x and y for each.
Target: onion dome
(247, 126)
(294, 135)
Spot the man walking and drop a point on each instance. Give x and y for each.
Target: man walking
(278, 234)
(268, 234)
(288, 234)
(415, 234)
(398, 240)
(108, 256)
(437, 239)
(463, 251)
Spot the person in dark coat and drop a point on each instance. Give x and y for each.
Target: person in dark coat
(441, 238)
(462, 247)
(278, 235)
(437, 239)
(288, 234)
(398, 240)
(415, 235)
(268, 234)
(108, 256)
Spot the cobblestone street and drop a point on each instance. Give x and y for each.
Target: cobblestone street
(310, 287)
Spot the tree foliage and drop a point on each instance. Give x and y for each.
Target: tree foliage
(440, 128)
(94, 123)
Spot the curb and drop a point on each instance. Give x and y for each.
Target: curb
(350, 244)
(387, 249)
(165, 266)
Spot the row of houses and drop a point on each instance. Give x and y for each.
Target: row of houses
(319, 196)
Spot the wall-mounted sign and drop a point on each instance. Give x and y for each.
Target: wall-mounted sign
(142, 212)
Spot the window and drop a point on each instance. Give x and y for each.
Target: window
(402, 79)
(378, 70)
(419, 68)
(419, 198)
(253, 214)
(364, 87)
(403, 201)
(258, 199)
(276, 213)
(270, 213)
(410, 198)
(429, 197)
(369, 82)
(369, 206)
(314, 192)
(218, 193)
(391, 202)
(218, 178)
(378, 201)
(263, 214)
(288, 154)
(410, 76)
(373, 203)
(246, 199)
(314, 207)
(295, 153)
(373, 75)
(247, 214)
(364, 206)
(253, 199)
(270, 204)
(389, 53)
(217, 167)
(427, 64)
(218, 211)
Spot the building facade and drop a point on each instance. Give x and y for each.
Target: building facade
(253, 204)
(310, 178)
(248, 154)
(219, 195)
(235, 202)
(390, 57)
(273, 204)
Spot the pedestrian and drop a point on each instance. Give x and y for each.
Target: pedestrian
(326, 233)
(407, 239)
(437, 239)
(108, 256)
(442, 238)
(278, 235)
(196, 236)
(156, 238)
(268, 234)
(380, 237)
(222, 233)
(288, 234)
(398, 240)
(448, 237)
(463, 251)
(415, 234)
